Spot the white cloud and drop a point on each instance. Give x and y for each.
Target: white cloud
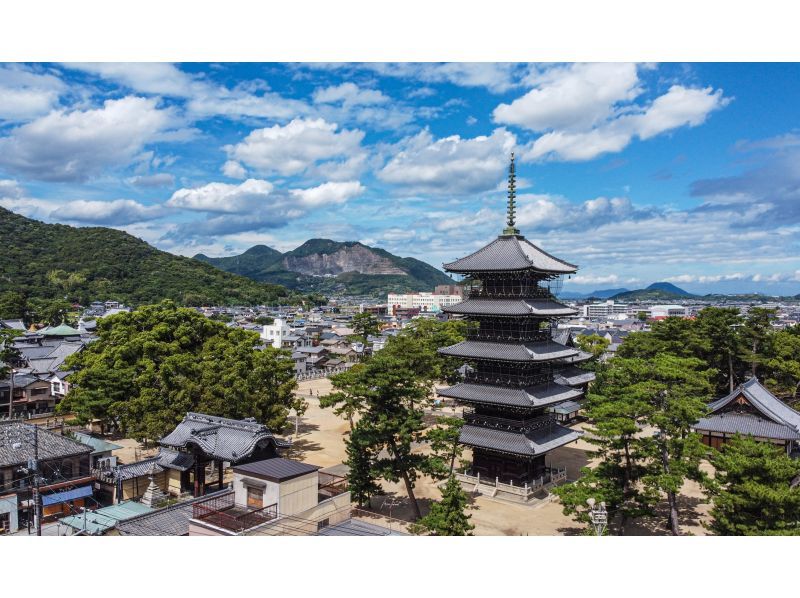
(450, 165)
(161, 179)
(252, 194)
(349, 94)
(26, 94)
(118, 212)
(293, 148)
(234, 170)
(680, 106)
(595, 279)
(161, 78)
(79, 144)
(328, 193)
(10, 189)
(574, 96)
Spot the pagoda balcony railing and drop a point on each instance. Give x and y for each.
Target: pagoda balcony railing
(504, 423)
(510, 292)
(516, 485)
(507, 336)
(503, 378)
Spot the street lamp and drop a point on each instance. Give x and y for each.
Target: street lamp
(598, 515)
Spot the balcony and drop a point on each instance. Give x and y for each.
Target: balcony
(223, 512)
(519, 491)
(515, 425)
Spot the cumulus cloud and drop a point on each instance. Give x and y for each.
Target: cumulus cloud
(160, 78)
(293, 148)
(26, 94)
(497, 77)
(234, 170)
(161, 179)
(349, 94)
(575, 96)
(79, 144)
(586, 110)
(118, 212)
(328, 193)
(450, 165)
(252, 194)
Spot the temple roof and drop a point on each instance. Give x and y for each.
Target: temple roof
(220, 437)
(746, 424)
(510, 253)
(510, 307)
(531, 444)
(572, 376)
(770, 406)
(532, 396)
(524, 352)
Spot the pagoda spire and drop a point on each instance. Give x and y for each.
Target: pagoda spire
(512, 196)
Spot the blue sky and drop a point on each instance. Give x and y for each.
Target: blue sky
(636, 172)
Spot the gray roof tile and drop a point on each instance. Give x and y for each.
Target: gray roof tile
(764, 401)
(510, 307)
(509, 253)
(531, 444)
(532, 396)
(748, 425)
(276, 469)
(524, 352)
(17, 444)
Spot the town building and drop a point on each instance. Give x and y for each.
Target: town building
(64, 474)
(424, 302)
(659, 312)
(513, 359)
(751, 410)
(604, 309)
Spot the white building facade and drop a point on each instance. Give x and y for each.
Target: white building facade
(605, 309)
(275, 333)
(426, 302)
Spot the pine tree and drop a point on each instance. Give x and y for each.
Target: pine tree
(449, 517)
(753, 491)
(360, 479)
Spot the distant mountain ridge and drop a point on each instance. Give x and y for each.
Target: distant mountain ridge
(326, 266)
(658, 291)
(53, 261)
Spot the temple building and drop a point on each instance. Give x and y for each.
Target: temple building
(751, 410)
(510, 386)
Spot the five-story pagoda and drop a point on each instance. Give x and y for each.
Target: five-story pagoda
(513, 359)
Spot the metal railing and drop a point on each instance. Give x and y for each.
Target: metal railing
(223, 512)
(551, 476)
(316, 374)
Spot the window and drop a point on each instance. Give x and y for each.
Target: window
(255, 497)
(324, 523)
(38, 391)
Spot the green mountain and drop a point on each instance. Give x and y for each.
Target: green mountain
(658, 291)
(54, 261)
(325, 266)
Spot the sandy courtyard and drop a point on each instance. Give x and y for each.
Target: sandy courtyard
(321, 441)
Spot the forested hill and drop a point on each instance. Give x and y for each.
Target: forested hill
(52, 261)
(326, 266)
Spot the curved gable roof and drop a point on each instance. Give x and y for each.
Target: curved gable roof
(510, 253)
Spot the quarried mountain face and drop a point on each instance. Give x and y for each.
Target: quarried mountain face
(353, 258)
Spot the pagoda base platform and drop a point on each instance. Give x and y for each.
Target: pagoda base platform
(532, 492)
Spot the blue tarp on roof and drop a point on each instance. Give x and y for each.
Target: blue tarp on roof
(59, 497)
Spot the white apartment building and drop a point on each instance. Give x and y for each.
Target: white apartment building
(426, 302)
(604, 310)
(276, 332)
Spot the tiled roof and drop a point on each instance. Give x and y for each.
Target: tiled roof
(543, 351)
(748, 425)
(532, 396)
(175, 460)
(510, 307)
(137, 469)
(572, 376)
(17, 444)
(276, 469)
(531, 444)
(169, 521)
(509, 253)
(764, 401)
(219, 437)
(98, 444)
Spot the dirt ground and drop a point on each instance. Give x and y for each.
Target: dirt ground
(321, 441)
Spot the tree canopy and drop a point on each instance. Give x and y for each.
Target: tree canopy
(152, 365)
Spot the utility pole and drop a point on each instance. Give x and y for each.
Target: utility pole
(11, 397)
(37, 497)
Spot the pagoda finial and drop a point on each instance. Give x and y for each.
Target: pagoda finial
(512, 196)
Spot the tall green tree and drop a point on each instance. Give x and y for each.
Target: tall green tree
(448, 517)
(365, 324)
(753, 493)
(755, 335)
(619, 409)
(152, 365)
(349, 396)
(595, 345)
(13, 305)
(430, 334)
(782, 361)
(677, 390)
(720, 327)
(443, 440)
(361, 478)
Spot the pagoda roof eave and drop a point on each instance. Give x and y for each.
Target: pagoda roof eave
(517, 352)
(530, 444)
(511, 253)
